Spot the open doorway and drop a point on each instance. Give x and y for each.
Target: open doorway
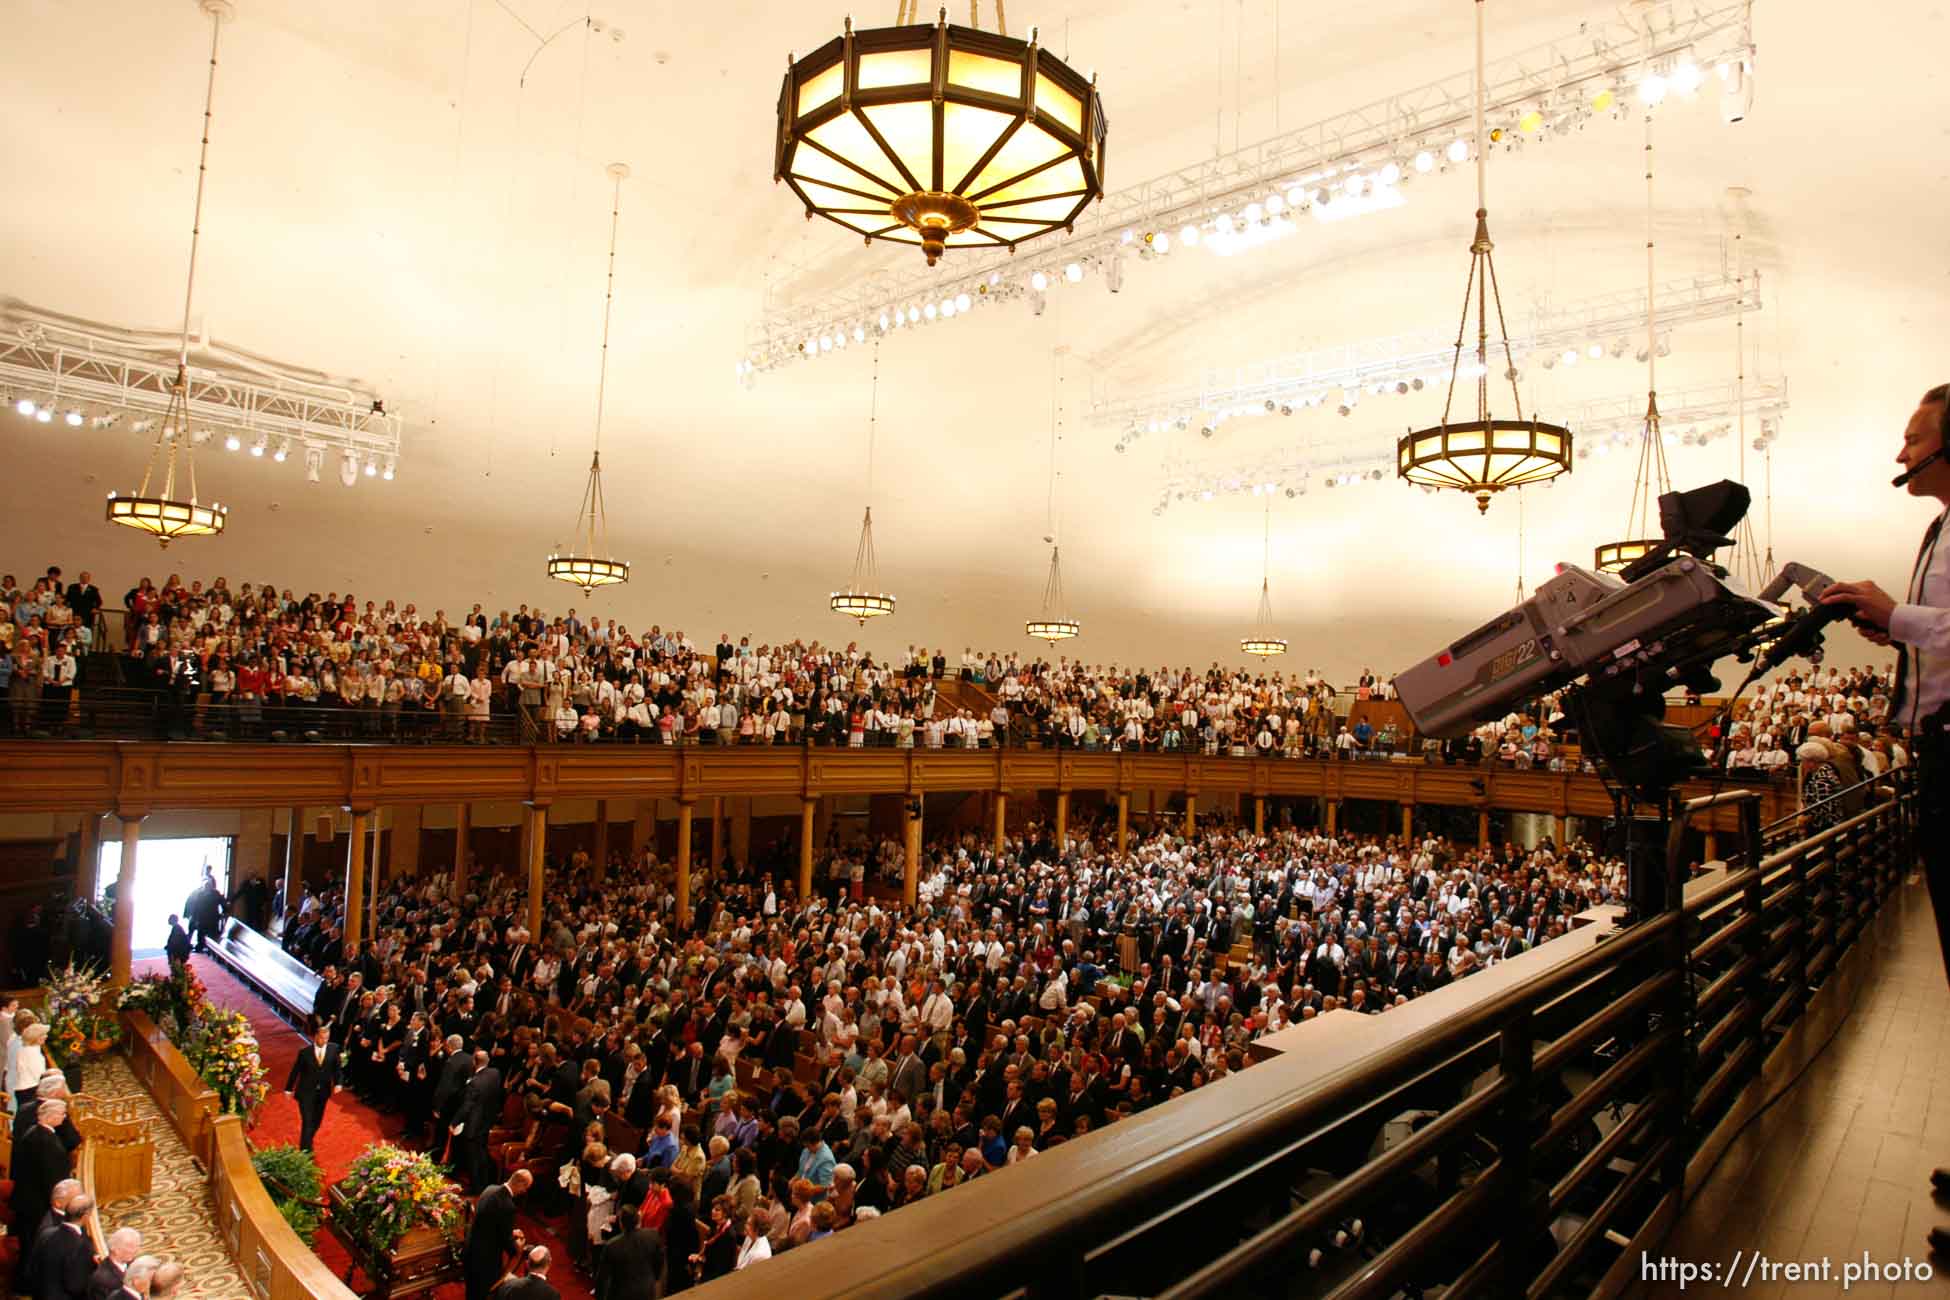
(166, 873)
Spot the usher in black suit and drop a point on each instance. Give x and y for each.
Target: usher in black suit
(313, 1077)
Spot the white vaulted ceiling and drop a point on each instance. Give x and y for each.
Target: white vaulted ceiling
(388, 202)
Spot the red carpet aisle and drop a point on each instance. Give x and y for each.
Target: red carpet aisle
(350, 1125)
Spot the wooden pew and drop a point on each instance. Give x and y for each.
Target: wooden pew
(281, 979)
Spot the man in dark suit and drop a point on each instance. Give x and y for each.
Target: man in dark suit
(177, 946)
(330, 996)
(480, 1107)
(124, 1244)
(39, 1162)
(315, 1079)
(455, 1068)
(910, 1078)
(631, 1266)
(536, 1285)
(493, 1236)
(63, 1256)
(53, 1085)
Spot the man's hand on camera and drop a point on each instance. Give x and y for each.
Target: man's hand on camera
(1872, 606)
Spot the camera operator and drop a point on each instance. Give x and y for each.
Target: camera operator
(1920, 626)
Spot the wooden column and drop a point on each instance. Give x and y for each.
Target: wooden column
(1259, 814)
(355, 884)
(463, 858)
(807, 808)
(407, 819)
(87, 880)
(1001, 818)
(1482, 828)
(1123, 820)
(1062, 818)
(294, 865)
(718, 837)
(1408, 822)
(534, 853)
(121, 956)
(375, 876)
(643, 829)
(1151, 809)
(250, 855)
(600, 858)
(684, 807)
(911, 865)
(741, 829)
(1712, 845)
(1191, 813)
(1331, 807)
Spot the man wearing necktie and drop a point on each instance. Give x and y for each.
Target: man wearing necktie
(314, 1079)
(1919, 626)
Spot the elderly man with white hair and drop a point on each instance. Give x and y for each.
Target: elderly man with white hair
(124, 1244)
(136, 1279)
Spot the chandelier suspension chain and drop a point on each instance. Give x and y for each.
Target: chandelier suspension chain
(202, 170)
(1654, 477)
(873, 422)
(1055, 436)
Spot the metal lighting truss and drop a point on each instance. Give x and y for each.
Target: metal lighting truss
(1540, 91)
(1409, 362)
(105, 372)
(1692, 416)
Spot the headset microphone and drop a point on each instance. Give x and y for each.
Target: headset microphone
(1917, 468)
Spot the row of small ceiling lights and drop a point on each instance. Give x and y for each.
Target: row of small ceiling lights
(1303, 398)
(1261, 221)
(44, 412)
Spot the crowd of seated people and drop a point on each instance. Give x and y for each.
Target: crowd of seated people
(253, 661)
(1847, 709)
(804, 1064)
(250, 659)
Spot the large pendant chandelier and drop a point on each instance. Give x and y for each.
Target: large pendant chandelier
(1054, 623)
(1642, 531)
(945, 137)
(1262, 642)
(161, 512)
(1483, 456)
(588, 564)
(863, 599)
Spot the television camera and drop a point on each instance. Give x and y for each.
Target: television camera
(1617, 644)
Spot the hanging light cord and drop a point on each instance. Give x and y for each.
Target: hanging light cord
(1482, 283)
(1055, 436)
(609, 298)
(1654, 478)
(873, 421)
(182, 434)
(202, 169)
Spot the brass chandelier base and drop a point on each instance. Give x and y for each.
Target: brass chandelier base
(934, 216)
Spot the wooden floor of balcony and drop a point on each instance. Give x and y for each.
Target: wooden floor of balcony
(1841, 1163)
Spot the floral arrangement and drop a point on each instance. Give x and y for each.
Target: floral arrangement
(217, 1043)
(73, 1018)
(173, 1001)
(220, 1047)
(295, 1182)
(390, 1191)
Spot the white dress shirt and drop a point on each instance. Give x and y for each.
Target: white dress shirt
(1922, 625)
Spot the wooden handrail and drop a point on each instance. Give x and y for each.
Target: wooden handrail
(189, 1103)
(275, 1262)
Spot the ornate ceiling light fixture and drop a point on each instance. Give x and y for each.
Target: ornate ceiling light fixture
(863, 598)
(1054, 623)
(1262, 642)
(1642, 531)
(589, 564)
(165, 515)
(1483, 456)
(945, 137)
